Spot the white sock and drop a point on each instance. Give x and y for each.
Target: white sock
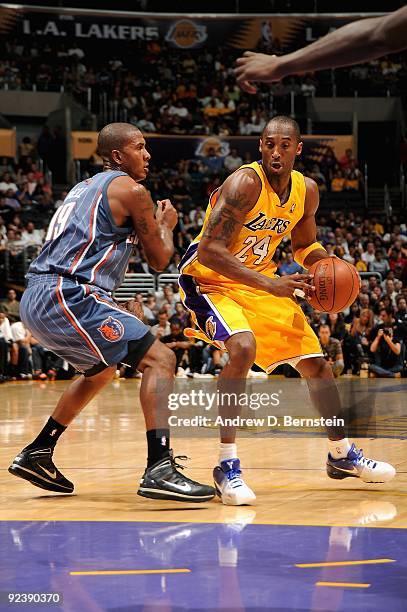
(227, 451)
(339, 448)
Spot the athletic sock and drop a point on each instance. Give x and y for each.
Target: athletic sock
(48, 436)
(158, 445)
(227, 451)
(339, 448)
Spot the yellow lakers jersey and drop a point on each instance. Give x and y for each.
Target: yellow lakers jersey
(266, 226)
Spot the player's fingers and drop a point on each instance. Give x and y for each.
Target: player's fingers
(304, 286)
(241, 62)
(248, 53)
(247, 87)
(302, 277)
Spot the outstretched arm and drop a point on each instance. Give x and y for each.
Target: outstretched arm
(359, 41)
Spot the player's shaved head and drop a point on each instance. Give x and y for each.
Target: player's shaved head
(115, 136)
(283, 123)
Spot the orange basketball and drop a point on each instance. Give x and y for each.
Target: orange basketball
(336, 282)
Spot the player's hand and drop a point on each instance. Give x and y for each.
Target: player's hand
(166, 214)
(135, 308)
(257, 67)
(286, 285)
(380, 333)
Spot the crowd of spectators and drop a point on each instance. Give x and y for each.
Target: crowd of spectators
(178, 91)
(26, 205)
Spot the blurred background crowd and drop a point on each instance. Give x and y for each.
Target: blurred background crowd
(178, 91)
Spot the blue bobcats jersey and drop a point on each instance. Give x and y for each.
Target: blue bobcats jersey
(83, 241)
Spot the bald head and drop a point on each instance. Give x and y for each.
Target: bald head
(115, 136)
(283, 123)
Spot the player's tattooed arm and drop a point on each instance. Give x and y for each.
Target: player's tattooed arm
(238, 196)
(153, 227)
(305, 232)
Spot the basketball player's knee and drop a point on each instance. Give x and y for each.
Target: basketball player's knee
(100, 376)
(163, 359)
(242, 349)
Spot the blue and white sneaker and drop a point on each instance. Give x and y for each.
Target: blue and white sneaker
(355, 465)
(229, 484)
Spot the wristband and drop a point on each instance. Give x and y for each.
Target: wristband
(301, 255)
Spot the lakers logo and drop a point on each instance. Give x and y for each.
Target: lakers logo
(111, 329)
(210, 328)
(186, 34)
(262, 222)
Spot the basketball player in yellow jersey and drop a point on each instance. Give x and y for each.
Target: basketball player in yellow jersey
(228, 282)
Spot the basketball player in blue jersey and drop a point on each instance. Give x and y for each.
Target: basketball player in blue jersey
(68, 307)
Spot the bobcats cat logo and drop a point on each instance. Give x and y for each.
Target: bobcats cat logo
(111, 329)
(210, 328)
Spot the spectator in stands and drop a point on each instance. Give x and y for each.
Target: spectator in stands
(388, 351)
(288, 266)
(167, 296)
(39, 360)
(12, 200)
(7, 184)
(162, 328)
(353, 178)
(347, 159)
(6, 339)
(26, 149)
(232, 161)
(32, 236)
(308, 88)
(338, 181)
(369, 256)
(11, 306)
(332, 350)
(181, 315)
(380, 264)
(212, 162)
(151, 304)
(20, 367)
(178, 343)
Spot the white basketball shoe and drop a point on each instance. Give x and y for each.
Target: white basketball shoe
(229, 484)
(356, 465)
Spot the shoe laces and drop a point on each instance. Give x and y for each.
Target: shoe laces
(234, 477)
(364, 461)
(174, 462)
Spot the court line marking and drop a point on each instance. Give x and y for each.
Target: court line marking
(129, 572)
(197, 522)
(341, 563)
(355, 585)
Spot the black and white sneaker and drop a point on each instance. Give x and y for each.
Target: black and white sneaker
(163, 481)
(37, 467)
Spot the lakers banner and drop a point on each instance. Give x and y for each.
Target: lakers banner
(183, 32)
(8, 143)
(169, 148)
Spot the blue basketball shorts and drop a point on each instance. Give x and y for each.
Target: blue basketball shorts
(81, 323)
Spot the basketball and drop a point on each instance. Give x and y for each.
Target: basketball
(337, 284)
